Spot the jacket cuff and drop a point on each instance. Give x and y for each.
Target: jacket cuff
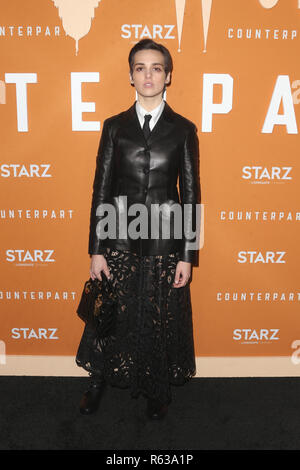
(100, 251)
(188, 257)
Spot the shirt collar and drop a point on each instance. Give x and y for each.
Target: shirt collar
(155, 113)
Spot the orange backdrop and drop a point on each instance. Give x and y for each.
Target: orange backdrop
(236, 75)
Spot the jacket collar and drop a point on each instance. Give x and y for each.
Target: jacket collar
(163, 125)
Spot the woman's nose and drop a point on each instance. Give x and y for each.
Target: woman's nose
(148, 72)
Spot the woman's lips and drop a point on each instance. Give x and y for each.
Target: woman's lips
(147, 84)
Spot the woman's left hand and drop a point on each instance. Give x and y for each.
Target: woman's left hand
(182, 274)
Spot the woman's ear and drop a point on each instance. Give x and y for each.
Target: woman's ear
(131, 79)
(168, 78)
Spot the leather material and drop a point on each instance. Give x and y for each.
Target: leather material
(147, 171)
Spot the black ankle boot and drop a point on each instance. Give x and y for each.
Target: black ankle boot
(91, 398)
(156, 409)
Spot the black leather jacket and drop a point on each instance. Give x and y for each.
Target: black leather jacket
(147, 173)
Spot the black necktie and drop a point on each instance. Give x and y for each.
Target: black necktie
(146, 128)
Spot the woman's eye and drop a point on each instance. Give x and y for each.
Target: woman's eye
(156, 69)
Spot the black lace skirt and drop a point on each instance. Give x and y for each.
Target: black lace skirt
(153, 347)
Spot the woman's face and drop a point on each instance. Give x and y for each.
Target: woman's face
(148, 76)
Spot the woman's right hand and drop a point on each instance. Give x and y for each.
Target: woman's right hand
(98, 264)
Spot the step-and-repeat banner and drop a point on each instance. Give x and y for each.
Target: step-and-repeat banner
(236, 75)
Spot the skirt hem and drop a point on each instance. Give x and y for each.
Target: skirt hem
(136, 392)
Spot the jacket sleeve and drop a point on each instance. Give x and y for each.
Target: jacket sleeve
(190, 197)
(101, 186)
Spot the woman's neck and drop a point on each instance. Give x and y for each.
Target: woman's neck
(150, 103)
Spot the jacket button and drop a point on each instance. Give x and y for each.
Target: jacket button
(145, 190)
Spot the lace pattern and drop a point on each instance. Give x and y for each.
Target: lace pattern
(153, 345)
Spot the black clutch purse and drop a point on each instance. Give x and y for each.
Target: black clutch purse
(98, 306)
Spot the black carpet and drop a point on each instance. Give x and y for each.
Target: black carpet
(41, 413)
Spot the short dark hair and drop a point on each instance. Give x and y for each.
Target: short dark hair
(150, 44)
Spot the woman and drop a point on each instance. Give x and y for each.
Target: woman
(142, 153)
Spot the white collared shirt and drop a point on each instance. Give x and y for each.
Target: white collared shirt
(155, 113)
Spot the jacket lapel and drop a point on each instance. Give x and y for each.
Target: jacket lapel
(161, 128)
(132, 127)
